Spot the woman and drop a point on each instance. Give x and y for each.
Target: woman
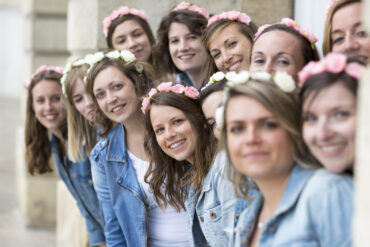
(228, 40)
(184, 165)
(46, 113)
(127, 29)
(179, 48)
(284, 46)
(116, 83)
(344, 32)
(268, 155)
(328, 99)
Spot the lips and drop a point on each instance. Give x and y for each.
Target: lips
(50, 117)
(118, 109)
(186, 57)
(175, 146)
(235, 66)
(137, 51)
(255, 155)
(332, 150)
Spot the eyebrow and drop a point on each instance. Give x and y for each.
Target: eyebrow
(262, 119)
(171, 119)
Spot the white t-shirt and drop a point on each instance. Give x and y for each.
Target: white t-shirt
(166, 228)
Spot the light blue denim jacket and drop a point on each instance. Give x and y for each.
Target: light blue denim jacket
(215, 207)
(78, 179)
(315, 210)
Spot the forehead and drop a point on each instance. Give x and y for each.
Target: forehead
(276, 41)
(107, 75)
(224, 33)
(245, 108)
(161, 114)
(347, 16)
(78, 86)
(126, 27)
(177, 29)
(46, 87)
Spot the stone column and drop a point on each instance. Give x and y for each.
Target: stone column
(44, 43)
(362, 168)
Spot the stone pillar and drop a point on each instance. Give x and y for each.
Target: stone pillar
(362, 167)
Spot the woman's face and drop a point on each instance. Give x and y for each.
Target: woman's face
(115, 94)
(230, 49)
(348, 35)
(47, 104)
(82, 100)
(258, 145)
(277, 51)
(329, 126)
(186, 50)
(129, 35)
(173, 132)
(209, 107)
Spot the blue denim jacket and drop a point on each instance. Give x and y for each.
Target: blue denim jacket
(78, 179)
(215, 207)
(315, 210)
(118, 191)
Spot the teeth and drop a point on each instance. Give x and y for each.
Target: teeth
(332, 148)
(234, 67)
(186, 56)
(50, 117)
(177, 144)
(116, 108)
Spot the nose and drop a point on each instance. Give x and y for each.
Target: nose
(131, 42)
(111, 98)
(169, 133)
(88, 101)
(226, 57)
(268, 67)
(323, 131)
(251, 135)
(184, 45)
(350, 43)
(48, 104)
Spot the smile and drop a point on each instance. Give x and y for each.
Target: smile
(177, 144)
(118, 108)
(332, 150)
(255, 155)
(186, 57)
(235, 66)
(51, 117)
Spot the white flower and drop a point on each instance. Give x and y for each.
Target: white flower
(98, 57)
(113, 54)
(67, 68)
(79, 63)
(261, 76)
(230, 75)
(218, 76)
(219, 116)
(284, 81)
(89, 58)
(139, 67)
(241, 77)
(127, 56)
(63, 81)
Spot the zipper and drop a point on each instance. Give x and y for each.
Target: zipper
(146, 216)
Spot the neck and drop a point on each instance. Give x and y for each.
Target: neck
(196, 77)
(58, 134)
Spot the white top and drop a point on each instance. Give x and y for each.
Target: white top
(166, 228)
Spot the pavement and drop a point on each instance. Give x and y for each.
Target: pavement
(13, 232)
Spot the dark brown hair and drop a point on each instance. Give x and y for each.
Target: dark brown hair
(165, 171)
(142, 83)
(38, 150)
(215, 87)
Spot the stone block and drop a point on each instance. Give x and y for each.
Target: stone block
(46, 7)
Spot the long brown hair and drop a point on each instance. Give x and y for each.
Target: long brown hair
(174, 175)
(38, 150)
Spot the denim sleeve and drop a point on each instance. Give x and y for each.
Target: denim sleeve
(96, 236)
(113, 232)
(331, 210)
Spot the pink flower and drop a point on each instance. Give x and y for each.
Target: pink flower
(203, 12)
(178, 88)
(335, 62)
(164, 87)
(106, 24)
(182, 5)
(305, 73)
(145, 104)
(261, 29)
(311, 37)
(233, 15)
(288, 22)
(152, 92)
(355, 70)
(140, 13)
(28, 82)
(114, 14)
(123, 10)
(191, 92)
(244, 19)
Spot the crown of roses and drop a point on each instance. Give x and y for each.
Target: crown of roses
(283, 81)
(41, 69)
(292, 24)
(121, 11)
(230, 15)
(333, 63)
(166, 87)
(191, 7)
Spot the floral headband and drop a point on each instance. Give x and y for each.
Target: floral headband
(41, 69)
(166, 87)
(283, 80)
(121, 11)
(330, 6)
(191, 7)
(292, 24)
(230, 15)
(219, 76)
(67, 69)
(333, 63)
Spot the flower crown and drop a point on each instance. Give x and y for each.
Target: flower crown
(167, 87)
(67, 69)
(283, 80)
(121, 11)
(219, 76)
(230, 15)
(191, 7)
(333, 63)
(292, 24)
(41, 69)
(330, 6)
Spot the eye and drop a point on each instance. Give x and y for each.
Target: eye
(269, 125)
(215, 55)
(192, 37)
(117, 86)
(120, 40)
(55, 98)
(337, 40)
(310, 118)
(77, 99)
(236, 128)
(232, 44)
(282, 62)
(341, 114)
(138, 34)
(40, 100)
(158, 131)
(99, 95)
(178, 121)
(258, 61)
(361, 34)
(174, 41)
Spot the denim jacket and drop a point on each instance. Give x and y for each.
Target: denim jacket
(78, 179)
(119, 192)
(315, 210)
(214, 210)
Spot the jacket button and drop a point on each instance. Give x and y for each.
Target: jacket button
(213, 215)
(90, 181)
(201, 219)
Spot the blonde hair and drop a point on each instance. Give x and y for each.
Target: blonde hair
(285, 107)
(80, 132)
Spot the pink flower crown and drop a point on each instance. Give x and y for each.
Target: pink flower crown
(166, 87)
(333, 63)
(41, 69)
(191, 7)
(330, 6)
(230, 15)
(292, 24)
(121, 11)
